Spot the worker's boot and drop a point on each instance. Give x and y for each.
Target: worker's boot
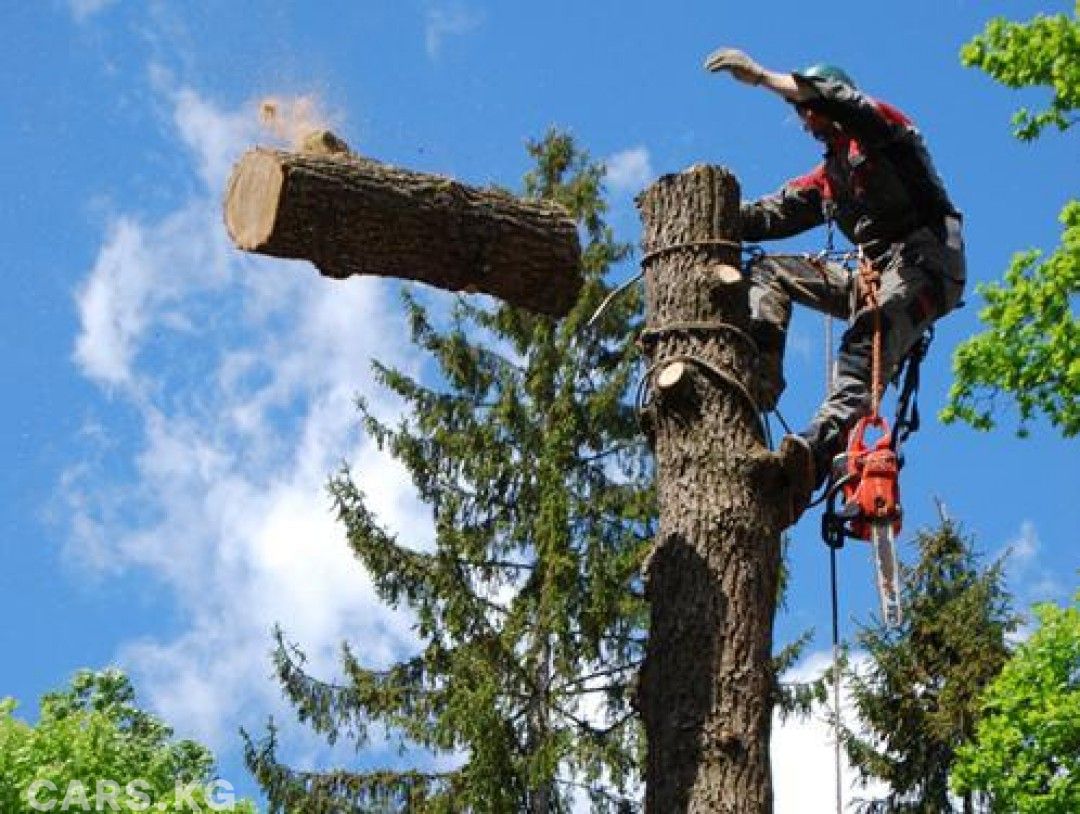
(800, 472)
(826, 439)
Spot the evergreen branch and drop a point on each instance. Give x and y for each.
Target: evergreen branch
(625, 640)
(492, 606)
(790, 654)
(620, 668)
(606, 688)
(501, 361)
(389, 694)
(595, 732)
(619, 524)
(607, 453)
(520, 566)
(623, 805)
(798, 697)
(492, 637)
(341, 791)
(398, 572)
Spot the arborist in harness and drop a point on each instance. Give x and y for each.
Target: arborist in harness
(878, 184)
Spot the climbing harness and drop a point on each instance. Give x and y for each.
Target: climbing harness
(907, 419)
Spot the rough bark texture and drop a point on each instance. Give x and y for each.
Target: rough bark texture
(349, 215)
(705, 691)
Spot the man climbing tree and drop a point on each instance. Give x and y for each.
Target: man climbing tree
(878, 184)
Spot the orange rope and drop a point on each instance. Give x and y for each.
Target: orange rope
(869, 282)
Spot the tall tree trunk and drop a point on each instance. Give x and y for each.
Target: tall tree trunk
(705, 691)
(350, 215)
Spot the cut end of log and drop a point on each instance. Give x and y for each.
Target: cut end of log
(251, 199)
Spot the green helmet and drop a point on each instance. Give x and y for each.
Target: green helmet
(823, 70)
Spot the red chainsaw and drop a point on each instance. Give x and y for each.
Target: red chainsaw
(866, 479)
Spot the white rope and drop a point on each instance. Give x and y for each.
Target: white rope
(830, 379)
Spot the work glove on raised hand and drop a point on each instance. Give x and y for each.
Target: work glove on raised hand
(737, 63)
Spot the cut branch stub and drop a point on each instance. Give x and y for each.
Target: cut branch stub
(349, 215)
(671, 376)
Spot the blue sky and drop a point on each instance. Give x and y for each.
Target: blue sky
(172, 408)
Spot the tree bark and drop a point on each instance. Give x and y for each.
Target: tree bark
(350, 215)
(705, 691)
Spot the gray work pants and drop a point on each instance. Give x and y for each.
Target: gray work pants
(922, 280)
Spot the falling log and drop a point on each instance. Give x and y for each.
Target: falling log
(350, 215)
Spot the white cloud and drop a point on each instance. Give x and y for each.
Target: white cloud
(448, 20)
(803, 756)
(140, 273)
(216, 137)
(84, 9)
(1028, 577)
(147, 272)
(629, 170)
(1024, 548)
(111, 306)
(241, 373)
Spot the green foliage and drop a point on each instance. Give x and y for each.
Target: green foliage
(1031, 348)
(1026, 753)
(92, 734)
(1043, 52)
(529, 608)
(917, 701)
(798, 699)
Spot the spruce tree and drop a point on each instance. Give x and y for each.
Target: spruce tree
(528, 607)
(918, 700)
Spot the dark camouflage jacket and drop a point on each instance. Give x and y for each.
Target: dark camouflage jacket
(877, 179)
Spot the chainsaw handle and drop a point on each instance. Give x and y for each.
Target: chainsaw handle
(857, 437)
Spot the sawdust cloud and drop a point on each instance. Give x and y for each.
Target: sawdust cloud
(291, 119)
